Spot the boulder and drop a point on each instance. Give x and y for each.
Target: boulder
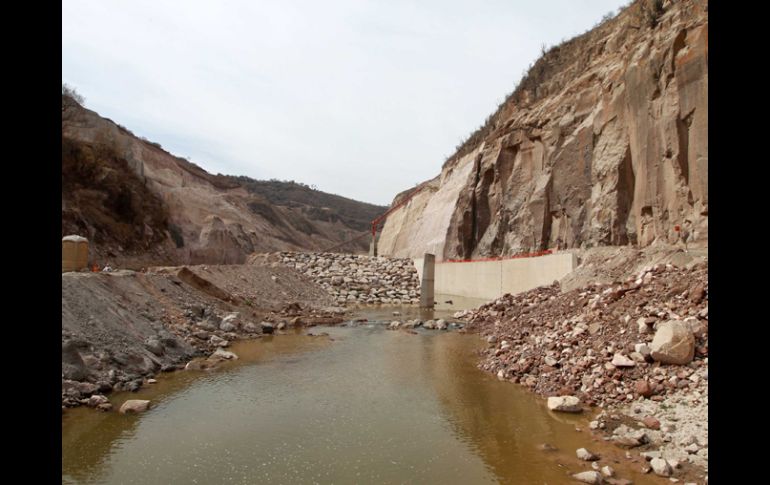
(673, 343)
(96, 400)
(134, 406)
(661, 467)
(564, 404)
(224, 354)
(153, 345)
(620, 360)
(588, 477)
(218, 341)
(586, 455)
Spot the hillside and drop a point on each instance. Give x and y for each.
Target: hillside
(603, 142)
(140, 205)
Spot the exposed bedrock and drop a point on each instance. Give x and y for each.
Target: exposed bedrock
(609, 148)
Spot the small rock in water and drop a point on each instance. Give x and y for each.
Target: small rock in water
(608, 471)
(588, 477)
(224, 354)
(96, 400)
(586, 455)
(565, 404)
(134, 406)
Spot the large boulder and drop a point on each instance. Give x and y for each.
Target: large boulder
(673, 343)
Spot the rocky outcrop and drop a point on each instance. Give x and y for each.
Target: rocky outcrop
(605, 142)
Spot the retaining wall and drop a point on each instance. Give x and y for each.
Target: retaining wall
(491, 279)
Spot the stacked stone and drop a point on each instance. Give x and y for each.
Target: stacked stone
(352, 279)
(607, 344)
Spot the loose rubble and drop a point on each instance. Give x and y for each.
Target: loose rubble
(587, 343)
(351, 278)
(637, 348)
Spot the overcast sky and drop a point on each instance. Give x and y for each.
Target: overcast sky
(361, 98)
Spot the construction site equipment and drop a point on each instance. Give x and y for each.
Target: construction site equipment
(74, 253)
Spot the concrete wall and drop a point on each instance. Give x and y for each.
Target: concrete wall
(491, 279)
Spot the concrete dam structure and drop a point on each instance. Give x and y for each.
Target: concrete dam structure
(491, 279)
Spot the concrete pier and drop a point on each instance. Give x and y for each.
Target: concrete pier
(427, 281)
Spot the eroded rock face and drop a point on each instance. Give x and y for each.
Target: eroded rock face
(610, 147)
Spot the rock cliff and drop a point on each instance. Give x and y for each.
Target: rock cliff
(604, 142)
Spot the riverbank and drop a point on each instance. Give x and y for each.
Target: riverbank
(120, 329)
(636, 348)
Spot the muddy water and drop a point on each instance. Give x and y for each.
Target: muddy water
(361, 405)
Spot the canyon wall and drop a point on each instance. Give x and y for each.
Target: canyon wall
(604, 142)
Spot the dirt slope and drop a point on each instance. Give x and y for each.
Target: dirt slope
(142, 205)
(121, 328)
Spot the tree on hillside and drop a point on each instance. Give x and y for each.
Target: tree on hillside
(70, 100)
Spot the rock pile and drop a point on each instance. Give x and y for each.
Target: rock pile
(351, 278)
(606, 344)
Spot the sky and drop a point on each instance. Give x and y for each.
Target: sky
(362, 99)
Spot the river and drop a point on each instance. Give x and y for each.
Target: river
(360, 405)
